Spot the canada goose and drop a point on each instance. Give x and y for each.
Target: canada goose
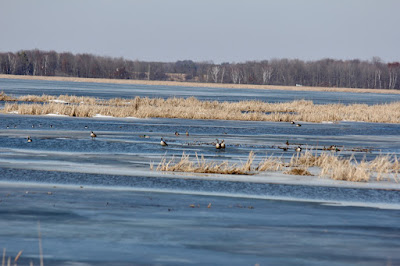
(222, 144)
(333, 148)
(298, 149)
(187, 133)
(163, 143)
(29, 139)
(218, 145)
(287, 143)
(176, 133)
(292, 122)
(93, 135)
(298, 125)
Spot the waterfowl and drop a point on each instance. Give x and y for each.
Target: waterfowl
(292, 122)
(163, 143)
(222, 144)
(218, 145)
(145, 136)
(8, 127)
(187, 133)
(333, 148)
(176, 133)
(298, 125)
(287, 143)
(93, 135)
(86, 127)
(29, 139)
(33, 126)
(51, 126)
(298, 149)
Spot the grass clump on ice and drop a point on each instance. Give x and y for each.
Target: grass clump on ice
(332, 166)
(201, 165)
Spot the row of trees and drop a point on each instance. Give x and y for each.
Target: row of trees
(327, 72)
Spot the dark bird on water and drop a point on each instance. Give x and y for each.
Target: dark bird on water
(93, 135)
(218, 145)
(163, 143)
(222, 144)
(29, 139)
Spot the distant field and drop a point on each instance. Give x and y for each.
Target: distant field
(195, 84)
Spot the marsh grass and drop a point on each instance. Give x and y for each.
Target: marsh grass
(298, 171)
(192, 108)
(201, 165)
(330, 165)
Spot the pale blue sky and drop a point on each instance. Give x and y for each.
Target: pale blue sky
(217, 30)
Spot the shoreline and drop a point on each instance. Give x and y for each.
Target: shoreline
(197, 85)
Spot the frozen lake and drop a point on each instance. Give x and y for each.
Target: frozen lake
(99, 203)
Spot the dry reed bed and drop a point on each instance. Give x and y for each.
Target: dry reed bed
(198, 84)
(192, 108)
(383, 167)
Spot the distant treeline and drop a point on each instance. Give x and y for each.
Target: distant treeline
(289, 72)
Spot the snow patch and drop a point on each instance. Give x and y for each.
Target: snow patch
(57, 114)
(102, 116)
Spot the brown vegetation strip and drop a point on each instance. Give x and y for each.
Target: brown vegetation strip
(383, 167)
(198, 84)
(192, 108)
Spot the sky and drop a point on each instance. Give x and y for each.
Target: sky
(205, 30)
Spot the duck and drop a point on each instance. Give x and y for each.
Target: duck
(298, 149)
(163, 143)
(298, 125)
(218, 145)
(187, 133)
(176, 133)
(333, 148)
(29, 139)
(93, 135)
(292, 122)
(287, 143)
(222, 144)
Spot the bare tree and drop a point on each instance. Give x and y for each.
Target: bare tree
(267, 74)
(214, 73)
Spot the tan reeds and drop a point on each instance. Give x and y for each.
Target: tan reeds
(201, 165)
(192, 108)
(298, 171)
(270, 163)
(330, 165)
(5, 97)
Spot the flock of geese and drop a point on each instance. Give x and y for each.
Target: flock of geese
(218, 145)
